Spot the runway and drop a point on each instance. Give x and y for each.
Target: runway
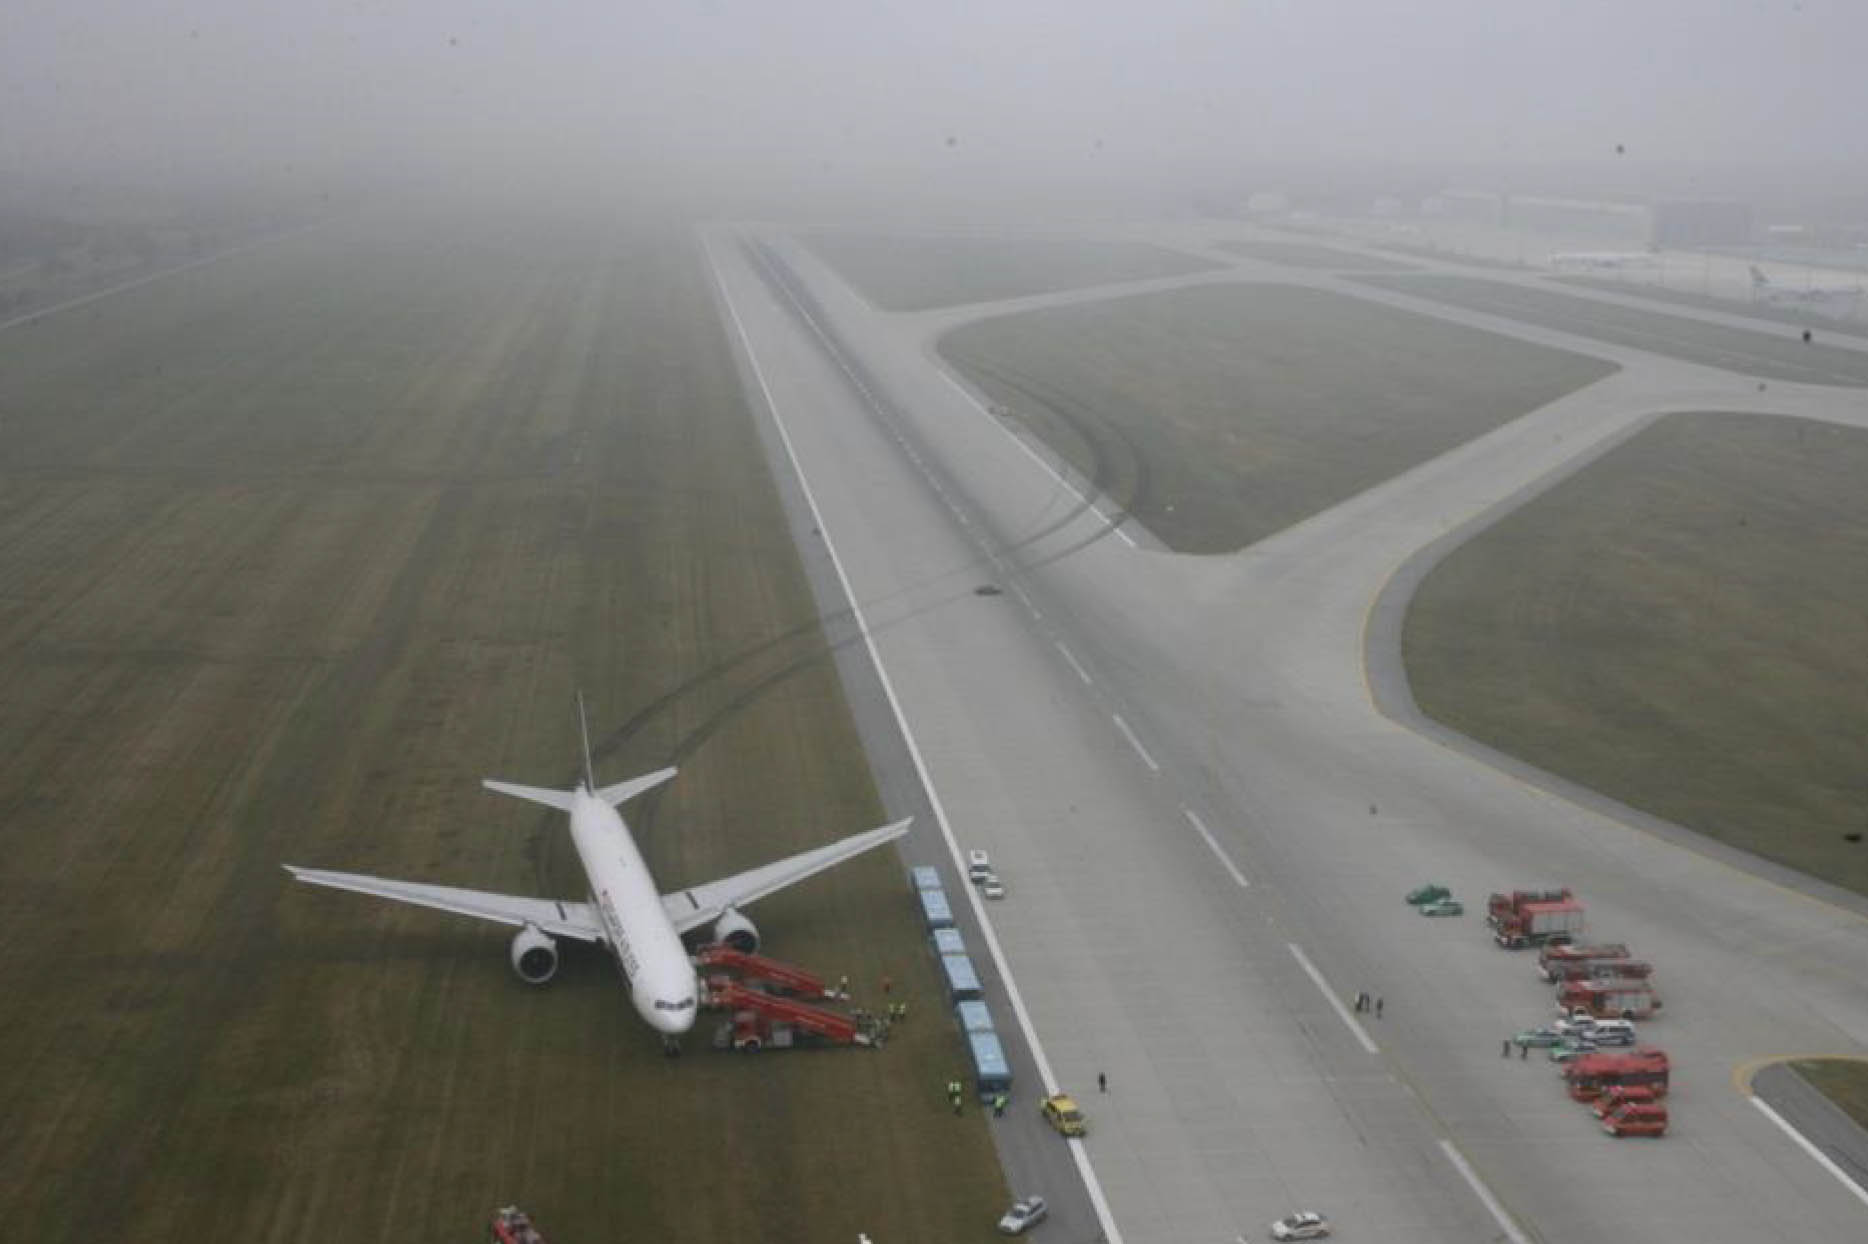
(1207, 821)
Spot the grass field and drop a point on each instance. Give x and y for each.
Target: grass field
(918, 272)
(1773, 356)
(1221, 414)
(1678, 626)
(1843, 1080)
(296, 547)
(1309, 255)
(1730, 306)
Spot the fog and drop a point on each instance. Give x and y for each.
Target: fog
(875, 102)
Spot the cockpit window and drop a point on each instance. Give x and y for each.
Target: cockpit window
(685, 1004)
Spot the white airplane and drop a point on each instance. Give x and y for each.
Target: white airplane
(1597, 260)
(640, 927)
(1764, 290)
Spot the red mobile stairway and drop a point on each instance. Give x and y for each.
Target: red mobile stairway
(753, 967)
(762, 1018)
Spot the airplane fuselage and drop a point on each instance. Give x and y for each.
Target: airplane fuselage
(663, 986)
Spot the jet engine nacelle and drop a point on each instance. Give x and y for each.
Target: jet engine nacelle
(736, 931)
(534, 955)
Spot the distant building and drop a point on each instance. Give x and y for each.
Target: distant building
(1688, 224)
(1626, 223)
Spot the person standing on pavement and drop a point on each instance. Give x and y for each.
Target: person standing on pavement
(1102, 1082)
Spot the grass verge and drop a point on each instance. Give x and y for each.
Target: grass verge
(1679, 627)
(295, 548)
(1843, 1081)
(1220, 414)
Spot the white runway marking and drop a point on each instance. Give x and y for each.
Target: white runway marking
(1193, 818)
(1803, 1142)
(1074, 664)
(1135, 743)
(1484, 1193)
(1097, 1200)
(1036, 457)
(1361, 1034)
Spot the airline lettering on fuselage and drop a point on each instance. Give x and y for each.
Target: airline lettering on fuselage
(619, 941)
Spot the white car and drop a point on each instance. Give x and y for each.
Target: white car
(1581, 1026)
(1302, 1225)
(991, 887)
(1023, 1216)
(978, 865)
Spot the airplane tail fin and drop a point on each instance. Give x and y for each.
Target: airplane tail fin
(1758, 277)
(583, 730)
(615, 795)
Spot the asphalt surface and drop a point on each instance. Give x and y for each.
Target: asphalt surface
(1207, 819)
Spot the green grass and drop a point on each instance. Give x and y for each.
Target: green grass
(1774, 356)
(1678, 626)
(1221, 414)
(915, 273)
(1843, 1080)
(296, 547)
(1309, 255)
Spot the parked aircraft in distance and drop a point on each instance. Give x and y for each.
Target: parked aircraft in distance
(1591, 261)
(1815, 297)
(640, 927)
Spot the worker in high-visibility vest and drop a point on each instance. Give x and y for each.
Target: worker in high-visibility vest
(998, 1106)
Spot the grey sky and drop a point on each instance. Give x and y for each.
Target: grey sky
(877, 89)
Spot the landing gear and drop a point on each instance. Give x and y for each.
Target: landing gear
(671, 1047)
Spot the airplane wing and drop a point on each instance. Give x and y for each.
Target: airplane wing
(564, 919)
(696, 905)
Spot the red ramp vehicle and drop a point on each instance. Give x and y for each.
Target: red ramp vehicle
(513, 1225)
(762, 1020)
(1594, 1074)
(777, 976)
(1636, 1119)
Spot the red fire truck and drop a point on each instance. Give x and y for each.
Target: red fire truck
(1609, 999)
(1534, 918)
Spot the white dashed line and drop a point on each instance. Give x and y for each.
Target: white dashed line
(1484, 1193)
(1361, 1034)
(1135, 743)
(1074, 664)
(1193, 819)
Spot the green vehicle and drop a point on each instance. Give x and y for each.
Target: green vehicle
(1429, 893)
(1535, 1037)
(1443, 907)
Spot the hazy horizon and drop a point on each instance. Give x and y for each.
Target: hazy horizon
(834, 101)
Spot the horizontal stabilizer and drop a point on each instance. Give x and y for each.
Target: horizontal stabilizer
(559, 799)
(621, 793)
